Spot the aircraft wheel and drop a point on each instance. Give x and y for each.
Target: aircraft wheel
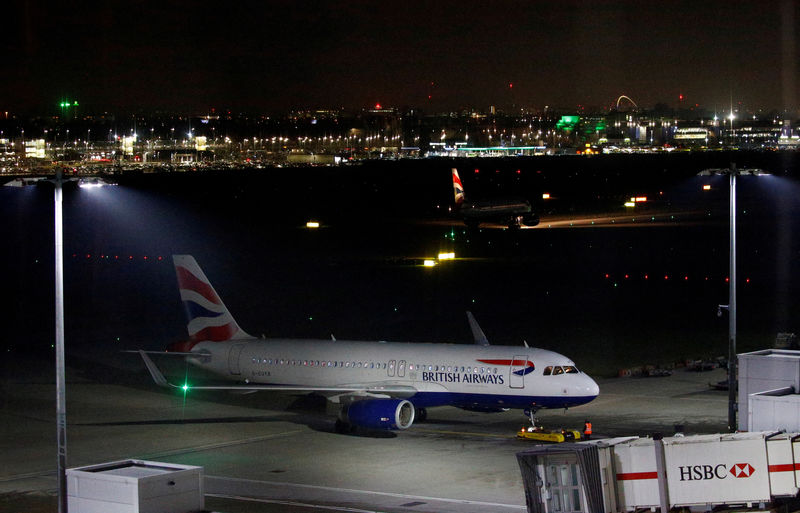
(421, 415)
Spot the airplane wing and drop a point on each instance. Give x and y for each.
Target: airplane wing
(389, 389)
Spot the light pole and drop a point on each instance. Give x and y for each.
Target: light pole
(732, 378)
(61, 403)
(732, 173)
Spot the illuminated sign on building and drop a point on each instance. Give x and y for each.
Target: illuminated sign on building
(35, 149)
(127, 144)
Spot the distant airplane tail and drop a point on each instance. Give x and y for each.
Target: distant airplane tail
(458, 189)
(208, 318)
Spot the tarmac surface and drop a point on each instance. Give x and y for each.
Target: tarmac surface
(267, 452)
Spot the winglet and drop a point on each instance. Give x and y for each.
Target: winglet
(477, 332)
(154, 372)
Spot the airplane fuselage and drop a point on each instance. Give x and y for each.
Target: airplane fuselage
(469, 376)
(503, 211)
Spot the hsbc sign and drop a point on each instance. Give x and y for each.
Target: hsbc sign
(723, 469)
(720, 471)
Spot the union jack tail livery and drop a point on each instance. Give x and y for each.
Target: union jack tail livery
(458, 189)
(208, 318)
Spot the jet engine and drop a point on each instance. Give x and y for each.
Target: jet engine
(530, 219)
(381, 413)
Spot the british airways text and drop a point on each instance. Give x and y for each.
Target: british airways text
(455, 377)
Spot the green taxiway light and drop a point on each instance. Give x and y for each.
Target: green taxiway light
(185, 388)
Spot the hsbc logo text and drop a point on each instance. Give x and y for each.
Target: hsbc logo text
(706, 472)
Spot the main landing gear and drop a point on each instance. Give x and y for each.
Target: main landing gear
(344, 428)
(421, 415)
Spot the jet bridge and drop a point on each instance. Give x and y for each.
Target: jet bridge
(629, 474)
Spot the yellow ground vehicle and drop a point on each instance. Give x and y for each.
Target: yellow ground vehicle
(547, 435)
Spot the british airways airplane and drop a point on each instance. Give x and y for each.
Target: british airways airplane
(374, 385)
(511, 212)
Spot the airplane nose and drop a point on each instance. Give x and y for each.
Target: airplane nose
(592, 389)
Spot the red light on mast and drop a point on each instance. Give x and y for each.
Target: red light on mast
(378, 106)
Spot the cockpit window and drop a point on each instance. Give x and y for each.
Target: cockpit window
(548, 371)
(557, 371)
(571, 370)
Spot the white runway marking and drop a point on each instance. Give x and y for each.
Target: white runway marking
(216, 485)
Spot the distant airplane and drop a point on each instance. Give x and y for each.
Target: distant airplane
(375, 385)
(512, 213)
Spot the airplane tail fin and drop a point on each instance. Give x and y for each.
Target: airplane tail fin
(208, 318)
(458, 189)
(477, 333)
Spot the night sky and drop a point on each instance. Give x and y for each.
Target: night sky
(280, 55)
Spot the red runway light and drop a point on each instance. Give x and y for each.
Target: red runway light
(606, 275)
(685, 278)
(626, 276)
(727, 279)
(646, 276)
(666, 277)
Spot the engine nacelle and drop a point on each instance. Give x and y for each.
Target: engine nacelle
(530, 219)
(381, 413)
